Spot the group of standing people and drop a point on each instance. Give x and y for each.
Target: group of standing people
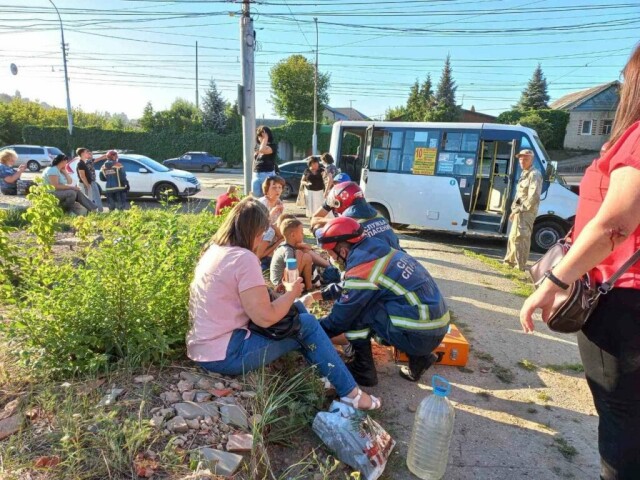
(73, 180)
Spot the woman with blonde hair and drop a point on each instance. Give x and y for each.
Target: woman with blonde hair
(228, 290)
(606, 235)
(9, 176)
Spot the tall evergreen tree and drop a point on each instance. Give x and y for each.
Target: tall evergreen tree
(147, 122)
(445, 108)
(535, 96)
(214, 116)
(414, 103)
(426, 97)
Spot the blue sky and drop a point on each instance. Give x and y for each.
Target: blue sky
(124, 53)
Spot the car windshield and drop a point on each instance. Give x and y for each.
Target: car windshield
(541, 147)
(152, 164)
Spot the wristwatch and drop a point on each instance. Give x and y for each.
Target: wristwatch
(555, 280)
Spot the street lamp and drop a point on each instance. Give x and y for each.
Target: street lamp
(66, 75)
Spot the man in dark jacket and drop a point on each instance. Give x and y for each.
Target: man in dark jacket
(113, 173)
(387, 293)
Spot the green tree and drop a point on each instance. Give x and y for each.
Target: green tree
(414, 109)
(426, 97)
(234, 119)
(214, 116)
(183, 116)
(535, 96)
(148, 121)
(292, 87)
(444, 103)
(395, 113)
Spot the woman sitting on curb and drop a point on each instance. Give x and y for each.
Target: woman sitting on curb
(68, 194)
(228, 289)
(9, 176)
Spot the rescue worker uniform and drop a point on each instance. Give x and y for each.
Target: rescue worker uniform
(524, 210)
(374, 225)
(390, 294)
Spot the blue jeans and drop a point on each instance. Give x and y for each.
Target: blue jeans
(375, 320)
(246, 354)
(257, 179)
(94, 195)
(117, 200)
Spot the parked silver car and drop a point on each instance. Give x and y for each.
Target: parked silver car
(33, 156)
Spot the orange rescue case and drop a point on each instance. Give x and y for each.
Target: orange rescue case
(454, 349)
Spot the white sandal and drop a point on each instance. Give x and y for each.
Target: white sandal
(355, 401)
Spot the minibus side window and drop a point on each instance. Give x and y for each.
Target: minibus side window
(386, 150)
(458, 157)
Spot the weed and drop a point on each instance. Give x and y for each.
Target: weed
(487, 357)
(544, 396)
(505, 375)
(465, 370)
(527, 365)
(565, 448)
(484, 394)
(532, 410)
(548, 407)
(523, 285)
(566, 367)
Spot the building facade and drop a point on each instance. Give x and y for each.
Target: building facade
(591, 114)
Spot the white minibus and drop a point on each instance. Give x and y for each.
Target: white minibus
(457, 177)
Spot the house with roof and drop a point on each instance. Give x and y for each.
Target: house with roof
(591, 114)
(337, 114)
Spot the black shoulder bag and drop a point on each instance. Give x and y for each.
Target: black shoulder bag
(288, 327)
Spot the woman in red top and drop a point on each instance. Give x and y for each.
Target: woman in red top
(607, 233)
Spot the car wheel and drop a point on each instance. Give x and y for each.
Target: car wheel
(33, 166)
(165, 191)
(385, 213)
(547, 233)
(287, 191)
(206, 168)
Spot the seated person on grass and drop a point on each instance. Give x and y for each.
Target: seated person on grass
(294, 236)
(318, 260)
(272, 189)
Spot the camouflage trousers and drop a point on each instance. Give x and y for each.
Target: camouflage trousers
(520, 239)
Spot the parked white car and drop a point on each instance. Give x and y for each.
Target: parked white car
(148, 177)
(35, 157)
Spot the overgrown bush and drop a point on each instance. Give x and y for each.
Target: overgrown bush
(550, 124)
(123, 297)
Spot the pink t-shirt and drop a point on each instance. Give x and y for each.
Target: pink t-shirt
(214, 303)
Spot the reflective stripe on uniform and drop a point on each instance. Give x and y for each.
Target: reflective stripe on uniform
(413, 324)
(360, 285)
(357, 334)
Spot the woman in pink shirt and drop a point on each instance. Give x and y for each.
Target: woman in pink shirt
(228, 289)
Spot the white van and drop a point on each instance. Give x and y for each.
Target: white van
(457, 177)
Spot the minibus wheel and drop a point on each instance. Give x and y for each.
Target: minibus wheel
(546, 233)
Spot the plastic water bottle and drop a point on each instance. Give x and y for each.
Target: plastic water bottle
(291, 273)
(432, 432)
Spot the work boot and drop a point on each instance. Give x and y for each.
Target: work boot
(362, 366)
(417, 366)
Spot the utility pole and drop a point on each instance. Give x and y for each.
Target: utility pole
(314, 139)
(247, 97)
(197, 95)
(66, 74)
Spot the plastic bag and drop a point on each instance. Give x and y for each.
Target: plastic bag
(355, 439)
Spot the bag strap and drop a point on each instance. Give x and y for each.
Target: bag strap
(608, 285)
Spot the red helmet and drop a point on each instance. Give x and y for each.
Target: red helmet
(341, 229)
(343, 195)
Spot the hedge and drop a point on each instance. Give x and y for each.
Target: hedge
(552, 134)
(163, 145)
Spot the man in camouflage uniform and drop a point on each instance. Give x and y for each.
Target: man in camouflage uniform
(523, 212)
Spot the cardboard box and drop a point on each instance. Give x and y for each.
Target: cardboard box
(454, 349)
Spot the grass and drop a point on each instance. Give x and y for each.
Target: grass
(484, 356)
(527, 365)
(544, 396)
(523, 286)
(484, 394)
(505, 375)
(565, 448)
(566, 367)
